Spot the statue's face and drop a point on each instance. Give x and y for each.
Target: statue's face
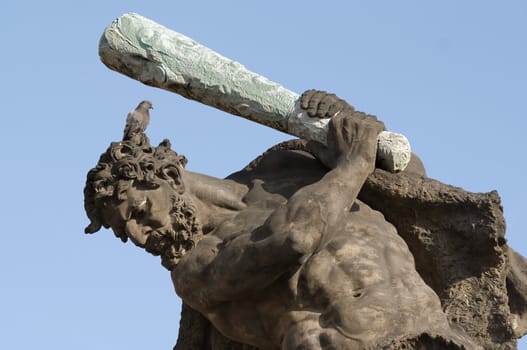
(157, 219)
(142, 212)
(137, 190)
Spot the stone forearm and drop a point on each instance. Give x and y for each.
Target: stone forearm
(157, 56)
(335, 192)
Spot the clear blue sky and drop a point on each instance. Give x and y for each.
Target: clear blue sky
(451, 76)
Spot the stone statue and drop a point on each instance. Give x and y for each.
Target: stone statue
(308, 247)
(312, 245)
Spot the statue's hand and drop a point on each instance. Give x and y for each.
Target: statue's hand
(320, 104)
(352, 137)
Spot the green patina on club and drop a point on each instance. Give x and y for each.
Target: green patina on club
(157, 56)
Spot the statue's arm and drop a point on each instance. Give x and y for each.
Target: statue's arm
(226, 269)
(320, 207)
(350, 153)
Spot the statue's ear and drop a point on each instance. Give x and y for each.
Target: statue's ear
(172, 174)
(183, 161)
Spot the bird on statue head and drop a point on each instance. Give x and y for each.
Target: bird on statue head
(137, 120)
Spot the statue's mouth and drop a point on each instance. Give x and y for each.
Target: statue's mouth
(157, 242)
(170, 245)
(171, 242)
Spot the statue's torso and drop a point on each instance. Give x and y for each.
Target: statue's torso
(361, 281)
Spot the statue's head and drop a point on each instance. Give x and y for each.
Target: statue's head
(138, 192)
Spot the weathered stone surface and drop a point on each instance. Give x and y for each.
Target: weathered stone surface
(309, 248)
(458, 241)
(517, 292)
(393, 151)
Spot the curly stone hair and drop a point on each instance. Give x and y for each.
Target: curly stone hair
(125, 163)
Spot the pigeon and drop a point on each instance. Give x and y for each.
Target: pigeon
(137, 120)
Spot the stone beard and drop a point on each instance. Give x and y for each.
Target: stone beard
(173, 243)
(125, 172)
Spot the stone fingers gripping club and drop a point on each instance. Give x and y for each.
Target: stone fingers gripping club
(155, 55)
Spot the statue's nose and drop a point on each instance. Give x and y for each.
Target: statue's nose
(136, 233)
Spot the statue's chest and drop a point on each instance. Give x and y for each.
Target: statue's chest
(248, 221)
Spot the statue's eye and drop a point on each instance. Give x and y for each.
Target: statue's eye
(139, 209)
(138, 213)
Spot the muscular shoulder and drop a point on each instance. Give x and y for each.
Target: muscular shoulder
(366, 226)
(281, 171)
